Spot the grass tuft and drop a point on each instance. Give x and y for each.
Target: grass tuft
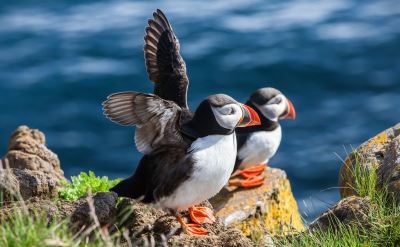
(84, 182)
(365, 180)
(25, 229)
(383, 220)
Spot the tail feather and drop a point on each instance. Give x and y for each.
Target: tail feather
(128, 188)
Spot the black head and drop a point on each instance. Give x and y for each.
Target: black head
(219, 114)
(272, 104)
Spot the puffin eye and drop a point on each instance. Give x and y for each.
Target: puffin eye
(276, 100)
(227, 110)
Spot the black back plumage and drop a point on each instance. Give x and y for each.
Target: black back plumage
(157, 175)
(165, 66)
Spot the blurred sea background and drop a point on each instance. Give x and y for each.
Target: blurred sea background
(338, 61)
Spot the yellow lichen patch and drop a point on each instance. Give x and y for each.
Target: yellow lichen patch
(250, 225)
(270, 208)
(281, 215)
(380, 139)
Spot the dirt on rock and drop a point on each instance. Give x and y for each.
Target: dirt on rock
(24, 183)
(101, 207)
(27, 150)
(79, 213)
(145, 223)
(151, 224)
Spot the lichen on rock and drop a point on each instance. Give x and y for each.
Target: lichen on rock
(270, 207)
(381, 154)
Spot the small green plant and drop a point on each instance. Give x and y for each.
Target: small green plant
(81, 184)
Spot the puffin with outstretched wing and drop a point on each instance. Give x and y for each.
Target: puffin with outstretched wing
(188, 157)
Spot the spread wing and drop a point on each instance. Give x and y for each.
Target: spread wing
(165, 66)
(157, 120)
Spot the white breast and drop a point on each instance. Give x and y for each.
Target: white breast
(260, 147)
(214, 158)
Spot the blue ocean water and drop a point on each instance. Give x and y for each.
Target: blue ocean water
(338, 61)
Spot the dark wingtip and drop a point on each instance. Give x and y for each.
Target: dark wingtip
(163, 17)
(158, 13)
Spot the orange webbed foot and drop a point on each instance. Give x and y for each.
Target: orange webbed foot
(192, 229)
(253, 171)
(248, 182)
(201, 215)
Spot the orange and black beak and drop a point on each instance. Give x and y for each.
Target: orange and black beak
(249, 117)
(291, 111)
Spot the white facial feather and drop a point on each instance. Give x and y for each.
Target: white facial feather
(274, 108)
(228, 116)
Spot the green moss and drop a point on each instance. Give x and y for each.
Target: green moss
(81, 184)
